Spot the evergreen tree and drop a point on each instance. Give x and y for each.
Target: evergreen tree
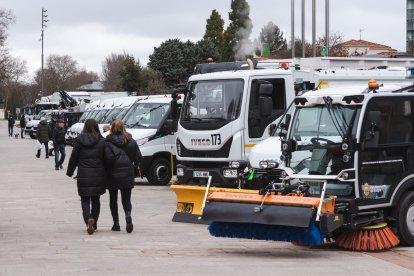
(214, 29)
(236, 36)
(130, 75)
(272, 35)
(205, 49)
(174, 59)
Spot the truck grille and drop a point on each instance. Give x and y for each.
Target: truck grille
(221, 153)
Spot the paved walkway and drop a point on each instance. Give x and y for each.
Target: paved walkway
(42, 233)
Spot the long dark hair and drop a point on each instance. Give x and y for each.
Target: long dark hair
(118, 127)
(92, 129)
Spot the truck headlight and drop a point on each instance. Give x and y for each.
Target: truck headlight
(269, 164)
(178, 147)
(142, 141)
(234, 164)
(230, 173)
(240, 164)
(180, 172)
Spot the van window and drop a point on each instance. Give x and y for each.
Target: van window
(257, 124)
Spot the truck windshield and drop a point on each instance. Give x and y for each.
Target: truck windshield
(122, 113)
(319, 132)
(85, 116)
(146, 115)
(213, 100)
(40, 115)
(40, 107)
(111, 115)
(101, 115)
(93, 114)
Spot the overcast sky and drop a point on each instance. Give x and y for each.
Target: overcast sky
(90, 30)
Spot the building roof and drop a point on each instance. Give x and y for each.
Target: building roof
(92, 86)
(369, 44)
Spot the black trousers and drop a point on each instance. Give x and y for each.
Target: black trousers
(126, 202)
(10, 130)
(46, 144)
(91, 207)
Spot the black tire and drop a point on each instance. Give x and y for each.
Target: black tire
(405, 219)
(32, 135)
(159, 172)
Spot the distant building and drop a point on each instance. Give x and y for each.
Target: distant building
(93, 86)
(410, 23)
(363, 48)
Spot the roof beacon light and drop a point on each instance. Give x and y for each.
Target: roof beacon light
(373, 84)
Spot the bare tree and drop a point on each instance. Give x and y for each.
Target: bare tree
(111, 68)
(62, 73)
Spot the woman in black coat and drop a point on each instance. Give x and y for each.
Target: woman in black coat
(88, 155)
(122, 153)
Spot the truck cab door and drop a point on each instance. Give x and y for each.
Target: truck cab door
(387, 148)
(257, 125)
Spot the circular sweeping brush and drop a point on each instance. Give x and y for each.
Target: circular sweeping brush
(370, 238)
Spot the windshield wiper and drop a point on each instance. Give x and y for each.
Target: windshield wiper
(136, 124)
(216, 118)
(328, 104)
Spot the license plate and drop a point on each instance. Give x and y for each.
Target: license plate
(201, 174)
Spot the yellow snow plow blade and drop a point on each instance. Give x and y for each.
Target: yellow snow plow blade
(190, 200)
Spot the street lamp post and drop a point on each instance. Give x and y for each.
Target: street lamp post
(292, 29)
(327, 27)
(44, 20)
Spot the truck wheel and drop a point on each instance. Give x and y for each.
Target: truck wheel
(32, 136)
(159, 172)
(405, 219)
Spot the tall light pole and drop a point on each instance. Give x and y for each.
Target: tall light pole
(327, 27)
(292, 28)
(303, 28)
(314, 28)
(44, 20)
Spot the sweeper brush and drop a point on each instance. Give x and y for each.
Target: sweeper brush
(371, 238)
(290, 218)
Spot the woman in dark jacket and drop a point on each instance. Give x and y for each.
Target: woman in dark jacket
(122, 153)
(88, 155)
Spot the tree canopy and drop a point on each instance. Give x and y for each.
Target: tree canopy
(214, 29)
(273, 36)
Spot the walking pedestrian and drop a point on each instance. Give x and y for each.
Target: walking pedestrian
(88, 155)
(58, 138)
(122, 154)
(22, 125)
(12, 121)
(43, 134)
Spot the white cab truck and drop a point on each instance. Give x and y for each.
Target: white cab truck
(149, 123)
(224, 115)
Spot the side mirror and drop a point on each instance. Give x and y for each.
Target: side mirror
(265, 106)
(265, 90)
(170, 126)
(372, 133)
(173, 109)
(271, 129)
(285, 125)
(265, 99)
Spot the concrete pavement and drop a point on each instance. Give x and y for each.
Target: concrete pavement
(42, 233)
